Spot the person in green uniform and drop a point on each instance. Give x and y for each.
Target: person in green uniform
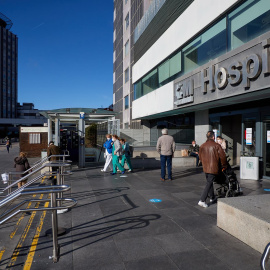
(126, 154)
(116, 153)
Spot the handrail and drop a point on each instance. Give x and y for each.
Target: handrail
(33, 172)
(265, 256)
(53, 190)
(36, 164)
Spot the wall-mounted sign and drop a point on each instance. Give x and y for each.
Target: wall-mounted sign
(81, 115)
(223, 78)
(249, 139)
(184, 92)
(268, 136)
(248, 130)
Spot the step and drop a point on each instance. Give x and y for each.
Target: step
(246, 218)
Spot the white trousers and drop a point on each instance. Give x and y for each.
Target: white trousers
(108, 162)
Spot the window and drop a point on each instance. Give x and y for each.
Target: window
(150, 82)
(125, 125)
(138, 90)
(170, 69)
(126, 102)
(34, 138)
(127, 48)
(126, 1)
(127, 75)
(127, 21)
(207, 46)
(248, 21)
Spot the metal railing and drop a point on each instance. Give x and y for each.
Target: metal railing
(52, 190)
(33, 170)
(265, 256)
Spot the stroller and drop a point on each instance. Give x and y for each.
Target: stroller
(227, 184)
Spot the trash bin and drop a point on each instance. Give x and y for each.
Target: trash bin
(249, 168)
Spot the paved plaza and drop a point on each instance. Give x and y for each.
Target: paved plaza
(115, 226)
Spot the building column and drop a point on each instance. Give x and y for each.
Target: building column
(49, 130)
(57, 132)
(201, 126)
(81, 143)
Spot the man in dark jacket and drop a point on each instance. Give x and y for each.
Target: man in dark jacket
(194, 152)
(211, 155)
(53, 150)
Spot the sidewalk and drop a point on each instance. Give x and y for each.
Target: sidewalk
(114, 226)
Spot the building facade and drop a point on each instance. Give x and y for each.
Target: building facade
(127, 15)
(8, 69)
(209, 70)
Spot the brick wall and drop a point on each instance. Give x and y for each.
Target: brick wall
(33, 150)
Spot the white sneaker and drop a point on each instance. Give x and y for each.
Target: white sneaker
(102, 170)
(202, 204)
(130, 170)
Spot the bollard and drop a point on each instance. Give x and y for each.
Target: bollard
(54, 229)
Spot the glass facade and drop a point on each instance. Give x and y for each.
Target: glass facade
(248, 21)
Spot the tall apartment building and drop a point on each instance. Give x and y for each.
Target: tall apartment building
(127, 14)
(8, 69)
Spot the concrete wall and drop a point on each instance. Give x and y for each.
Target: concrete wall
(158, 101)
(33, 150)
(136, 136)
(178, 35)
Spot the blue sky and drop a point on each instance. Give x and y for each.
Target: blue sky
(65, 51)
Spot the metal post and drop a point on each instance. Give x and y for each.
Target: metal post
(49, 130)
(57, 131)
(58, 183)
(81, 143)
(54, 228)
(9, 182)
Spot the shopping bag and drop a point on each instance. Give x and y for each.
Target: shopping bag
(4, 177)
(184, 153)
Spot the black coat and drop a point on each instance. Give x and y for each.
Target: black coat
(21, 165)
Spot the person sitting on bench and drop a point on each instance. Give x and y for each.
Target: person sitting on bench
(194, 151)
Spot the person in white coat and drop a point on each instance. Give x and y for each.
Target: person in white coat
(108, 153)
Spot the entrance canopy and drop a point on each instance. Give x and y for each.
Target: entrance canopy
(72, 115)
(79, 117)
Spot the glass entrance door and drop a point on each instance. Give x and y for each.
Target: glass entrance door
(266, 147)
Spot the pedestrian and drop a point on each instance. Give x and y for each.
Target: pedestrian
(21, 165)
(53, 150)
(194, 152)
(116, 153)
(126, 154)
(222, 142)
(108, 153)
(166, 148)
(211, 155)
(8, 145)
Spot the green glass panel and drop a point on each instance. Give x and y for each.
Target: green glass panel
(175, 64)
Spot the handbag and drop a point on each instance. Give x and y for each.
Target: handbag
(184, 153)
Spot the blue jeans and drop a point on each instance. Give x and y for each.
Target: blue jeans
(164, 160)
(192, 154)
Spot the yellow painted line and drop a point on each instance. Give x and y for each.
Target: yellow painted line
(31, 254)
(23, 215)
(20, 220)
(2, 253)
(23, 237)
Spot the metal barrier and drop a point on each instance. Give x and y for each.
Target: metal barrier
(265, 256)
(52, 190)
(38, 167)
